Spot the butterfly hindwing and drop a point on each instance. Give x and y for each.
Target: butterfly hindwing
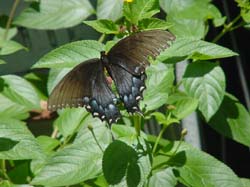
(86, 85)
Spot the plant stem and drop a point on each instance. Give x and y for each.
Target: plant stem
(54, 133)
(3, 170)
(102, 38)
(93, 133)
(158, 138)
(226, 29)
(12, 12)
(137, 122)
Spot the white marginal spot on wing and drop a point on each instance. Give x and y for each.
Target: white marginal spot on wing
(142, 88)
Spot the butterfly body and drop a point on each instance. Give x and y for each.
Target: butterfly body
(86, 85)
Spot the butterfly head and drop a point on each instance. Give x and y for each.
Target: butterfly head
(104, 57)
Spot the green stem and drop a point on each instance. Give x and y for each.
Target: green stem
(12, 12)
(137, 122)
(226, 29)
(3, 170)
(54, 133)
(93, 133)
(102, 38)
(158, 138)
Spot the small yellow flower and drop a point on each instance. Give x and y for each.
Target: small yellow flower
(128, 1)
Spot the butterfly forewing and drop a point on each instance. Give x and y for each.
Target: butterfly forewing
(132, 53)
(86, 85)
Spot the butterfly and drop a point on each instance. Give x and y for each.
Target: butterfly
(86, 85)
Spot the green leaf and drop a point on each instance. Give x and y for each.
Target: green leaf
(154, 23)
(77, 162)
(204, 171)
(109, 9)
(55, 14)
(20, 91)
(245, 9)
(16, 131)
(191, 16)
(101, 132)
(160, 117)
(206, 82)
(120, 153)
(140, 9)
(184, 27)
(70, 54)
(2, 61)
(20, 172)
(191, 9)
(142, 148)
(184, 104)
(232, 120)
(11, 33)
(47, 143)
(189, 48)
(133, 175)
(55, 75)
(9, 46)
(120, 131)
(7, 144)
(163, 178)
(159, 82)
(245, 182)
(69, 120)
(103, 26)
(196, 168)
(10, 109)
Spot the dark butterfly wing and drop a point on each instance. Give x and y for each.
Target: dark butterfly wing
(86, 85)
(129, 87)
(128, 60)
(132, 52)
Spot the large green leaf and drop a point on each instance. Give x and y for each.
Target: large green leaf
(109, 9)
(26, 146)
(184, 27)
(191, 9)
(20, 91)
(70, 54)
(120, 153)
(232, 120)
(206, 82)
(190, 16)
(77, 162)
(10, 109)
(69, 120)
(140, 9)
(101, 132)
(55, 14)
(164, 178)
(245, 182)
(159, 82)
(128, 135)
(190, 48)
(103, 26)
(199, 169)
